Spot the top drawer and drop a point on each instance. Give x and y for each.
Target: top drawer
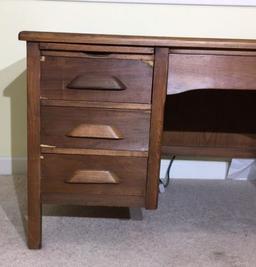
(211, 69)
(96, 76)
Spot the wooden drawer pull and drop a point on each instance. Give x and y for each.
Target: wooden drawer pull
(96, 82)
(95, 131)
(93, 177)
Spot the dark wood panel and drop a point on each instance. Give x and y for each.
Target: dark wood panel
(131, 172)
(210, 139)
(156, 125)
(204, 151)
(97, 48)
(223, 111)
(216, 52)
(189, 72)
(57, 123)
(209, 144)
(33, 173)
(93, 200)
(58, 72)
(83, 151)
(91, 104)
(144, 57)
(79, 38)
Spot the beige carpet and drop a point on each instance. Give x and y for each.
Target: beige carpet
(198, 223)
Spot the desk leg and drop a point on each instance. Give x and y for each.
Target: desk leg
(34, 176)
(156, 125)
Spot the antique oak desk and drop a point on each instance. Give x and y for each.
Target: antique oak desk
(99, 119)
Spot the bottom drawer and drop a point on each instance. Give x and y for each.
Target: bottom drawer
(108, 176)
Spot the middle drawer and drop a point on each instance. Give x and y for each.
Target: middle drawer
(95, 128)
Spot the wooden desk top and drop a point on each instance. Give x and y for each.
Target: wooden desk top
(241, 44)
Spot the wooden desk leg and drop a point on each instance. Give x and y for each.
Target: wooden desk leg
(34, 198)
(156, 125)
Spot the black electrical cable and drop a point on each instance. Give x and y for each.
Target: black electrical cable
(166, 179)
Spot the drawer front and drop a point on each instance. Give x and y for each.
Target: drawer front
(74, 127)
(93, 175)
(210, 71)
(96, 78)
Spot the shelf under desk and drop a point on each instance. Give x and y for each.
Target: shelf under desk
(210, 122)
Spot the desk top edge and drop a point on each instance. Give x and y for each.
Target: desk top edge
(132, 40)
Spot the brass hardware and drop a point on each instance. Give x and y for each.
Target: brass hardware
(41, 157)
(42, 59)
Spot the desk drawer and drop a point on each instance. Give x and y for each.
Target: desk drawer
(96, 77)
(100, 175)
(211, 70)
(74, 127)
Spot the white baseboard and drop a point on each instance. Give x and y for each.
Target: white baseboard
(187, 169)
(195, 169)
(15, 165)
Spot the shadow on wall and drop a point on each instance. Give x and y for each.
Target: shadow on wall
(13, 86)
(13, 79)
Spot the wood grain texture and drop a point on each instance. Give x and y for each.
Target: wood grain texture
(33, 173)
(246, 53)
(96, 131)
(132, 128)
(57, 169)
(156, 125)
(58, 72)
(97, 48)
(93, 104)
(86, 151)
(204, 151)
(93, 177)
(91, 55)
(79, 38)
(96, 82)
(190, 72)
(210, 139)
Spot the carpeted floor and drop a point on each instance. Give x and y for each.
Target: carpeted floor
(198, 223)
